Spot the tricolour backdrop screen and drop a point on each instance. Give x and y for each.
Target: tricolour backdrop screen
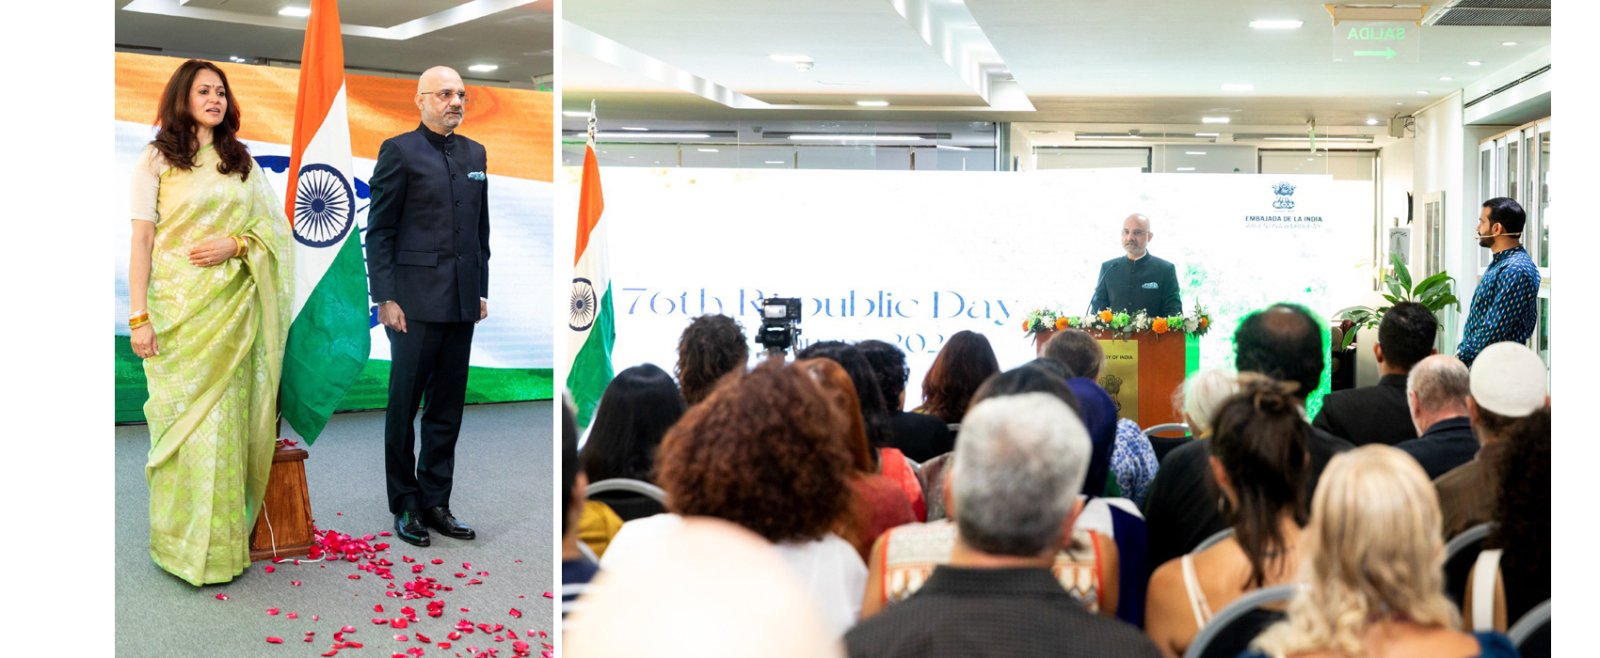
(511, 351)
(913, 257)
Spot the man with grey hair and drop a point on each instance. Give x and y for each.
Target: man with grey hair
(1019, 463)
(1436, 392)
(428, 270)
(1508, 383)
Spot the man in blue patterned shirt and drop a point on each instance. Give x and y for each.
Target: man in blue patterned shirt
(1505, 305)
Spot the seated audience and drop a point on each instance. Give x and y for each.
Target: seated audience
(1373, 570)
(877, 503)
(635, 411)
(1020, 463)
(1378, 414)
(1518, 557)
(1436, 393)
(1508, 382)
(1283, 342)
(710, 347)
(960, 368)
(1133, 460)
(903, 557)
(576, 568)
(887, 461)
(708, 589)
(766, 451)
(1259, 457)
(920, 436)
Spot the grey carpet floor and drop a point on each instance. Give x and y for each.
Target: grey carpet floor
(504, 466)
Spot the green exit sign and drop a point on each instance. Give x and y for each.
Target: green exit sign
(1376, 41)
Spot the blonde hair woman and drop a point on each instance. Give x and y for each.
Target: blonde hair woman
(1373, 566)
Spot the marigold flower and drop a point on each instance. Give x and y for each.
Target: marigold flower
(1105, 316)
(1063, 322)
(1159, 325)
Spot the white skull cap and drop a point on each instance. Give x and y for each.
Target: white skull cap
(1509, 379)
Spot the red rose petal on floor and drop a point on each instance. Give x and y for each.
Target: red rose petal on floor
(511, 634)
(444, 645)
(398, 622)
(331, 652)
(377, 608)
(354, 576)
(309, 639)
(414, 651)
(296, 583)
(437, 561)
(519, 561)
(407, 558)
(222, 597)
(543, 634)
(465, 610)
(422, 638)
(516, 613)
(547, 595)
(348, 629)
(408, 611)
(370, 537)
(316, 618)
(380, 547)
(466, 565)
(353, 645)
(385, 533)
(269, 568)
(474, 581)
(293, 615)
(379, 621)
(454, 635)
(273, 639)
(400, 637)
(520, 646)
(417, 568)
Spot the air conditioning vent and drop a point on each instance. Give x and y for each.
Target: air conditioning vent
(1493, 13)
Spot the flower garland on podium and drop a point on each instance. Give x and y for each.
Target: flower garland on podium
(1044, 320)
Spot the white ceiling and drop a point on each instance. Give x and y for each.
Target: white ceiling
(1147, 61)
(380, 36)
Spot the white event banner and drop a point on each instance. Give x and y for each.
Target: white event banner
(913, 257)
(518, 332)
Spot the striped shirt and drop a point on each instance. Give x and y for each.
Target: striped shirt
(1504, 307)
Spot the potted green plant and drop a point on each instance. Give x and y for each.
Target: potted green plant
(1434, 293)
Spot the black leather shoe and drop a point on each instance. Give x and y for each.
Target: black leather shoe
(408, 527)
(440, 519)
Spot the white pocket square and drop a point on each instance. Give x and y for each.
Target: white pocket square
(1151, 286)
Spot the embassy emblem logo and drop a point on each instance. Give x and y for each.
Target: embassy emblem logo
(1284, 190)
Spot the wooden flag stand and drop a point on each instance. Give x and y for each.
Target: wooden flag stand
(283, 529)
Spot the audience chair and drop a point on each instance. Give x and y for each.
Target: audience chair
(1167, 436)
(1460, 553)
(1213, 540)
(1231, 631)
(1531, 633)
(630, 499)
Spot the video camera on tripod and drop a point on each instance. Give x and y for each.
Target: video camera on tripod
(780, 323)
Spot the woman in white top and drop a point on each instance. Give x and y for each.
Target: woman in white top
(765, 451)
(1259, 458)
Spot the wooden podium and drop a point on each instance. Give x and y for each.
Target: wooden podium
(287, 507)
(1154, 365)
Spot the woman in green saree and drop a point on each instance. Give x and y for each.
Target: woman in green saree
(210, 274)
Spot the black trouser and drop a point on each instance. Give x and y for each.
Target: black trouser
(428, 363)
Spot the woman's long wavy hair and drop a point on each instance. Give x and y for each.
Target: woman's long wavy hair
(1374, 550)
(965, 361)
(176, 140)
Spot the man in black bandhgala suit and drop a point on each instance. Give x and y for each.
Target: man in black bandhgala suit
(1139, 281)
(428, 268)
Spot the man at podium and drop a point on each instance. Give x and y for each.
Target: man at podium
(1138, 281)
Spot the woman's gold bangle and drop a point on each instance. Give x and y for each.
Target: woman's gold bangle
(240, 245)
(139, 320)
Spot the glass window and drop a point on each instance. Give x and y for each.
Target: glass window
(1513, 167)
(1544, 198)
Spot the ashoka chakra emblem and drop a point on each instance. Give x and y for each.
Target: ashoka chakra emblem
(323, 208)
(580, 316)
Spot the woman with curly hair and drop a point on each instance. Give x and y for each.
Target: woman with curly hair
(1373, 569)
(1259, 459)
(957, 372)
(210, 272)
(763, 451)
(1518, 555)
(878, 503)
(710, 347)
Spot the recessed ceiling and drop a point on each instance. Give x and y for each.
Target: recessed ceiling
(516, 35)
(1153, 61)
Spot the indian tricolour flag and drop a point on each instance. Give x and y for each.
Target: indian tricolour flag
(590, 320)
(328, 337)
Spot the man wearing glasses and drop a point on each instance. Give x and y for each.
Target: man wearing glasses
(428, 270)
(1139, 282)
